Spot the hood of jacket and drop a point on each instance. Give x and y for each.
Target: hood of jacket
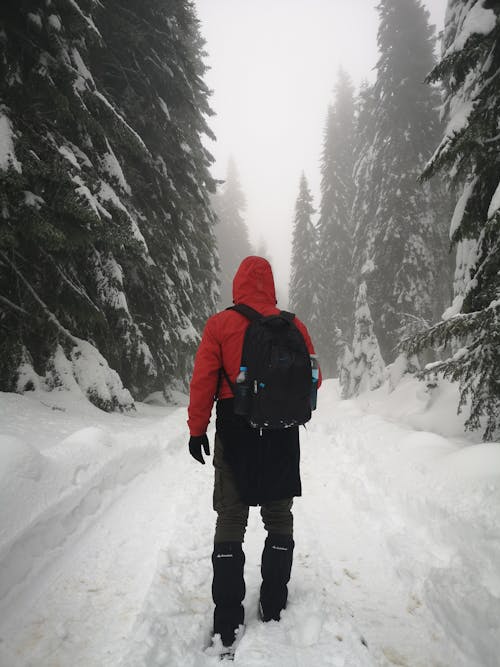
(254, 282)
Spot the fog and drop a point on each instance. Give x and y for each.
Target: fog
(273, 65)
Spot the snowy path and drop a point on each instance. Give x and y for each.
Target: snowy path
(380, 571)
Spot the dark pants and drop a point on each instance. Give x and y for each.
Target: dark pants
(228, 559)
(232, 513)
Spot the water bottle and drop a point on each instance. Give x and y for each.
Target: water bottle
(242, 375)
(315, 378)
(241, 398)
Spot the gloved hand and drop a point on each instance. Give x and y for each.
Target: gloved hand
(195, 444)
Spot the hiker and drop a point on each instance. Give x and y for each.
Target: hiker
(254, 464)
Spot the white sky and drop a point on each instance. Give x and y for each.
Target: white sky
(273, 68)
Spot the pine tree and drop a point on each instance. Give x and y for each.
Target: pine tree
(304, 264)
(396, 229)
(157, 85)
(469, 154)
(364, 368)
(335, 229)
(231, 230)
(106, 234)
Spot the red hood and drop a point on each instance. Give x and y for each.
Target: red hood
(254, 282)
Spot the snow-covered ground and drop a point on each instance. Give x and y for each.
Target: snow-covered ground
(106, 531)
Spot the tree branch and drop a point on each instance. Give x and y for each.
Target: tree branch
(50, 316)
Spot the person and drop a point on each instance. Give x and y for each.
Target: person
(252, 466)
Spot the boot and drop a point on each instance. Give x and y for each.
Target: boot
(276, 567)
(228, 589)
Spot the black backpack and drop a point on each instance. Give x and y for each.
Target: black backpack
(276, 392)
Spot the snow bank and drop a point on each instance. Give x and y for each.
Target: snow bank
(421, 406)
(441, 491)
(397, 538)
(48, 497)
(18, 460)
(83, 372)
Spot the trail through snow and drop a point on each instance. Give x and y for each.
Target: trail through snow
(112, 558)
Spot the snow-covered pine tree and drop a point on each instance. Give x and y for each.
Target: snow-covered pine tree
(365, 193)
(335, 290)
(231, 230)
(395, 225)
(364, 368)
(157, 84)
(303, 298)
(99, 210)
(469, 154)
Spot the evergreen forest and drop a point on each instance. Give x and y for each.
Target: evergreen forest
(407, 256)
(108, 259)
(117, 242)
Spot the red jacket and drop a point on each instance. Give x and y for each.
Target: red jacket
(222, 340)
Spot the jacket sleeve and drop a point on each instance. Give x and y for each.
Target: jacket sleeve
(307, 338)
(207, 364)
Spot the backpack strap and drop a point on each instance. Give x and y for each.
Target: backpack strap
(252, 315)
(248, 312)
(285, 315)
(223, 374)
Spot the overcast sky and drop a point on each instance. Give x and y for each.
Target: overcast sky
(273, 68)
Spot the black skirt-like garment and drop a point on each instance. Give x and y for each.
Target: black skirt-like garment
(265, 464)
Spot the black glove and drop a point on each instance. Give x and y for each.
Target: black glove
(195, 444)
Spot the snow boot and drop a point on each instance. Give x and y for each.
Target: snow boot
(276, 567)
(228, 589)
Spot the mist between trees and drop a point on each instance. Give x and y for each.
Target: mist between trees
(116, 243)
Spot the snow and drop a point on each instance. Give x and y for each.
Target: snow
(31, 199)
(81, 156)
(164, 107)
(188, 334)
(83, 72)
(460, 207)
(107, 193)
(35, 19)
(460, 110)
(83, 371)
(459, 354)
(455, 308)
(477, 21)
(107, 530)
(368, 267)
(466, 259)
(495, 202)
(69, 155)
(121, 119)
(109, 278)
(94, 377)
(7, 154)
(85, 17)
(112, 166)
(55, 22)
(94, 204)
